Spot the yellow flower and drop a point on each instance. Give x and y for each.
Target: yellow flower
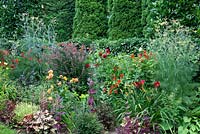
(49, 91)
(52, 86)
(50, 98)
(73, 80)
(50, 72)
(83, 96)
(65, 78)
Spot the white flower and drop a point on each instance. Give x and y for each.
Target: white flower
(140, 49)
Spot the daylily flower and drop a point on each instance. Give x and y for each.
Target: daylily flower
(104, 55)
(156, 84)
(73, 80)
(107, 50)
(50, 71)
(65, 78)
(87, 65)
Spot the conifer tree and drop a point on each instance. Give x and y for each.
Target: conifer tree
(90, 20)
(125, 19)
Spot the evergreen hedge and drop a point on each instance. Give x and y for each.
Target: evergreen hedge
(90, 20)
(60, 14)
(125, 19)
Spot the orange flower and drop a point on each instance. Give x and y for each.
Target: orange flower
(132, 56)
(110, 92)
(116, 91)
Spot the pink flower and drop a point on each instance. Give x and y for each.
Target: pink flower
(142, 82)
(91, 101)
(107, 50)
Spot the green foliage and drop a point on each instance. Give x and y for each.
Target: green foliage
(6, 130)
(87, 123)
(129, 45)
(176, 55)
(61, 14)
(12, 13)
(124, 20)
(90, 19)
(3, 99)
(22, 109)
(191, 125)
(156, 11)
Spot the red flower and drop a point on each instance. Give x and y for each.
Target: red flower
(104, 90)
(156, 84)
(121, 76)
(114, 77)
(12, 66)
(115, 68)
(87, 65)
(139, 84)
(107, 50)
(136, 84)
(118, 81)
(104, 55)
(22, 55)
(116, 91)
(140, 55)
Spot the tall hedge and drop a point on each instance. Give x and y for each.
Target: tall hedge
(12, 12)
(90, 20)
(60, 14)
(125, 19)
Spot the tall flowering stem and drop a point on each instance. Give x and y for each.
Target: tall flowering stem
(91, 93)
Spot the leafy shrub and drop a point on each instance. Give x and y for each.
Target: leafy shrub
(3, 99)
(6, 130)
(7, 114)
(27, 61)
(129, 45)
(106, 116)
(22, 109)
(87, 123)
(68, 60)
(137, 125)
(41, 121)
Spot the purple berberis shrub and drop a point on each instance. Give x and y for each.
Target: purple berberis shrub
(137, 125)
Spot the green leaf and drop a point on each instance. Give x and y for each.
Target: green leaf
(182, 130)
(186, 119)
